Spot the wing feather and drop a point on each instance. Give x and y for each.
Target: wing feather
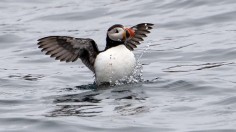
(141, 30)
(53, 52)
(69, 49)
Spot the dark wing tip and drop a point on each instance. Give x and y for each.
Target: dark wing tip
(146, 24)
(141, 31)
(58, 47)
(69, 49)
(129, 47)
(150, 24)
(46, 38)
(144, 27)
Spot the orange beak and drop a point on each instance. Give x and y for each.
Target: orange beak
(130, 33)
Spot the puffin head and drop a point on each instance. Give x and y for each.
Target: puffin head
(118, 34)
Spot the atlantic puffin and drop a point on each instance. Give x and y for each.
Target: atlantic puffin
(115, 62)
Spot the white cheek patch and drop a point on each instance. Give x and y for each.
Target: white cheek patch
(116, 36)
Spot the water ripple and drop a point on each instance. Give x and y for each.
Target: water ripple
(188, 73)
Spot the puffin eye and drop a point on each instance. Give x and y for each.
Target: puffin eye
(116, 31)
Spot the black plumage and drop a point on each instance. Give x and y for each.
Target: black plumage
(69, 49)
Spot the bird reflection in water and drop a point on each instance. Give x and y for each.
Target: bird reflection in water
(125, 100)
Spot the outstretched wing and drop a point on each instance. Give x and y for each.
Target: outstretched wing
(141, 30)
(69, 49)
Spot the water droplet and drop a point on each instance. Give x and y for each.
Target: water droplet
(141, 55)
(134, 78)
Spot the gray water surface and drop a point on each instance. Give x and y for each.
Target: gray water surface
(188, 67)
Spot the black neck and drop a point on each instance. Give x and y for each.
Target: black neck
(112, 43)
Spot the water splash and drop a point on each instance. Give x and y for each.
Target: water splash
(137, 74)
(144, 51)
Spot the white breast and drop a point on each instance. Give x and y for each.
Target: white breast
(114, 64)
